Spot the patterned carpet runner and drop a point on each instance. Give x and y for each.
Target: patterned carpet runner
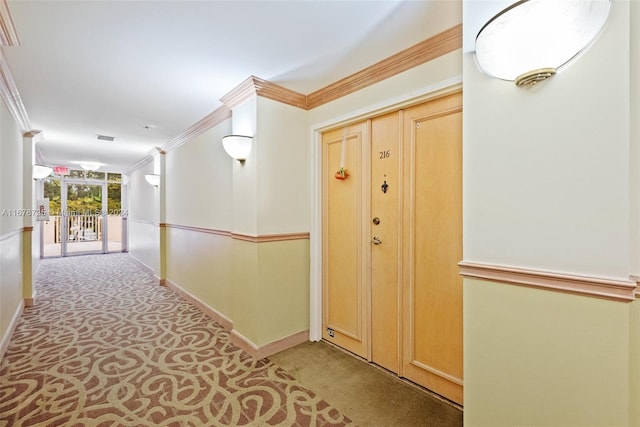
(105, 345)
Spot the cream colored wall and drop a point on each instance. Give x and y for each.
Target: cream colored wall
(144, 217)
(10, 280)
(548, 186)
(199, 194)
(283, 173)
(261, 287)
(547, 168)
(198, 175)
(634, 95)
(11, 190)
(244, 176)
(11, 171)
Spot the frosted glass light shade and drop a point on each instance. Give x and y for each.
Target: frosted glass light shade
(237, 146)
(40, 171)
(533, 37)
(153, 179)
(90, 166)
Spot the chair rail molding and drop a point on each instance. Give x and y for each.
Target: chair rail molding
(595, 287)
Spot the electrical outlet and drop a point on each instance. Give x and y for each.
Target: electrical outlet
(330, 332)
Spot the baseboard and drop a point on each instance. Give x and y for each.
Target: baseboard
(224, 321)
(237, 338)
(271, 348)
(4, 343)
(149, 269)
(29, 302)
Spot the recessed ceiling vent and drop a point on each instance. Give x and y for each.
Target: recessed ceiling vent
(106, 138)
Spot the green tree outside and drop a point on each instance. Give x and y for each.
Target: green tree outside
(85, 199)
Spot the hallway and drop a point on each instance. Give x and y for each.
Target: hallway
(106, 345)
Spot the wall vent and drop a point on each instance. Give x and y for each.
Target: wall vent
(106, 138)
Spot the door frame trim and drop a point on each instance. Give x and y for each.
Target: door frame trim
(436, 90)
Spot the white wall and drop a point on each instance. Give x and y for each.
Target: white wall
(550, 184)
(199, 177)
(283, 174)
(547, 168)
(11, 188)
(245, 190)
(144, 217)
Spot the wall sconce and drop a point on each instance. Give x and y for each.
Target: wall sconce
(40, 172)
(529, 40)
(153, 179)
(237, 146)
(90, 166)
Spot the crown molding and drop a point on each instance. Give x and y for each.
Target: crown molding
(212, 119)
(8, 33)
(11, 96)
(431, 48)
(279, 93)
(253, 86)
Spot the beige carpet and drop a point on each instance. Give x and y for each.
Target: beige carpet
(371, 396)
(105, 345)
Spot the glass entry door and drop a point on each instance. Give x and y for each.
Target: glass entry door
(84, 227)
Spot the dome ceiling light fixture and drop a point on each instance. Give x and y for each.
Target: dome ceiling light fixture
(237, 147)
(530, 40)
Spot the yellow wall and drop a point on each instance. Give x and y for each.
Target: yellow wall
(201, 263)
(270, 289)
(634, 366)
(283, 289)
(544, 358)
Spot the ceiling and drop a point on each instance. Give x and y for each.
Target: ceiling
(145, 71)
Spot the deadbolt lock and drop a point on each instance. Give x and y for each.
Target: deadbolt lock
(376, 220)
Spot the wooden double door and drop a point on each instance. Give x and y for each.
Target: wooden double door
(392, 239)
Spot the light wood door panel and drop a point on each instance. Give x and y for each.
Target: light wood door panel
(398, 303)
(386, 159)
(345, 301)
(432, 287)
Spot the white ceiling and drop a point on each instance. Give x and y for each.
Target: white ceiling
(85, 68)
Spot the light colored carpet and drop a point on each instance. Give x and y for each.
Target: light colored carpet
(371, 396)
(105, 345)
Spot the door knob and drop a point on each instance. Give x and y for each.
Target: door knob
(376, 220)
(376, 240)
